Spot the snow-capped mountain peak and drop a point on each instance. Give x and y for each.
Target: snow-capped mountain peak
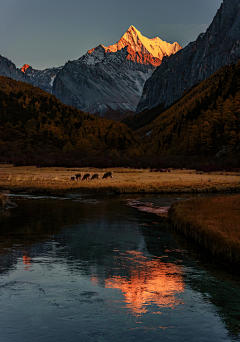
(111, 79)
(138, 46)
(106, 80)
(141, 44)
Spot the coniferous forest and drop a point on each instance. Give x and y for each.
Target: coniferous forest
(204, 122)
(34, 123)
(202, 127)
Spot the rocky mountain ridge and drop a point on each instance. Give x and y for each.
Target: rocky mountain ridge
(141, 49)
(106, 81)
(219, 46)
(41, 78)
(9, 69)
(109, 80)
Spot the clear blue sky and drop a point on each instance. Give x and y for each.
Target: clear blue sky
(47, 33)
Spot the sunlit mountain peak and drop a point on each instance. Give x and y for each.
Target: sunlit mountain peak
(154, 46)
(140, 48)
(25, 67)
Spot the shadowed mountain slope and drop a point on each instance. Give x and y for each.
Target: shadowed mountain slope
(111, 78)
(106, 81)
(219, 46)
(206, 121)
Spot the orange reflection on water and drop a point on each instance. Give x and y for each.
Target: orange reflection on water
(148, 282)
(26, 261)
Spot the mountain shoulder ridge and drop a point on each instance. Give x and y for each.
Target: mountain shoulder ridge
(218, 46)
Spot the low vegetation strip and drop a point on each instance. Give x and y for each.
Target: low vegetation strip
(125, 181)
(213, 222)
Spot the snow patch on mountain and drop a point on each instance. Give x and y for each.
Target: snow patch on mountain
(104, 79)
(43, 79)
(112, 78)
(154, 46)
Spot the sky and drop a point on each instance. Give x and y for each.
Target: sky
(48, 33)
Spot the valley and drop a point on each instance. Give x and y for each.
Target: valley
(120, 173)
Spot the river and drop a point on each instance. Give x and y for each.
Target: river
(90, 268)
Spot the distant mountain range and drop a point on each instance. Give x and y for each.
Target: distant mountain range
(190, 98)
(106, 81)
(110, 81)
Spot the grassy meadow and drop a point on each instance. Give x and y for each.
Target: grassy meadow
(214, 222)
(125, 180)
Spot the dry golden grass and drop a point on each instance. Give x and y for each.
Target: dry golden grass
(125, 180)
(213, 222)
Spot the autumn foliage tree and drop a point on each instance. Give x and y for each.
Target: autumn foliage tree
(205, 121)
(33, 120)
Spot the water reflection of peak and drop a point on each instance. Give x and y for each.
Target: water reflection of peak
(144, 281)
(116, 247)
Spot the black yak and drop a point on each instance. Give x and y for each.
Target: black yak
(86, 176)
(78, 176)
(95, 176)
(107, 174)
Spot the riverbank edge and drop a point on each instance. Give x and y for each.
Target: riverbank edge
(55, 191)
(5, 203)
(215, 243)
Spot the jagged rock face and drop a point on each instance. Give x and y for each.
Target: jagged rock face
(220, 45)
(41, 78)
(111, 78)
(105, 80)
(9, 69)
(141, 49)
(102, 81)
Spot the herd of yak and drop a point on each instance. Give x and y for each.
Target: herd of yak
(87, 176)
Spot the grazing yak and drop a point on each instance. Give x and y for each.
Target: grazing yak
(78, 176)
(96, 176)
(86, 176)
(107, 174)
(72, 178)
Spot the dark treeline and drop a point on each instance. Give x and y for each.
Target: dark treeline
(35, 122)
(156, 163)
(202, 129)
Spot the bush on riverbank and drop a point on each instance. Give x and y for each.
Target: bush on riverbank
(212, 222)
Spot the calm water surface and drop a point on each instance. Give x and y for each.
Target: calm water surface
(84, 268)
